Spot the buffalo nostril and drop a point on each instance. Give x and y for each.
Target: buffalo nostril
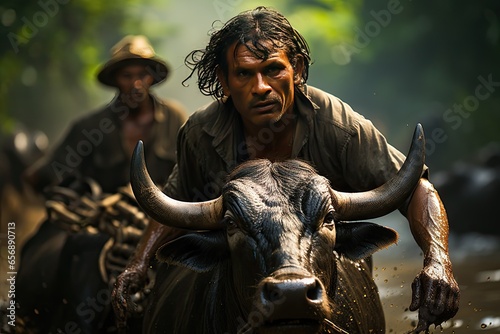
(272, 292)
(315, 292)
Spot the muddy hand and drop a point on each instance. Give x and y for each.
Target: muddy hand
(132, 280)
(424, 321)
(436, 295)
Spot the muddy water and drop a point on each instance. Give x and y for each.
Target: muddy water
(476, 264)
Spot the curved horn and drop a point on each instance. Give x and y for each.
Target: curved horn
(166, 210)
(389, 196)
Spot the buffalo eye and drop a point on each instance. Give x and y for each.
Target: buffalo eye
(328, 221)
(230, 222)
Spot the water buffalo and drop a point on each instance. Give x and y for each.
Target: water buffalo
(274, 253)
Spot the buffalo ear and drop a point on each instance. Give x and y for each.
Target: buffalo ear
(200, 251)
(359, 240)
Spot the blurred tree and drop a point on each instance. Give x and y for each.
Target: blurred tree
(426, 62)
(50, 52)
(324, 23)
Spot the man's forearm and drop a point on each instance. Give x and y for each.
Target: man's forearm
(429, 223)
(154, 236)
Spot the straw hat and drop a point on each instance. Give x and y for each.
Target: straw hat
(130, 50)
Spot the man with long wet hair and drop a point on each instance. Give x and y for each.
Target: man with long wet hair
(256, 68)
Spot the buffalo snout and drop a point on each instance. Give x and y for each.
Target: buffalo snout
(296, 304)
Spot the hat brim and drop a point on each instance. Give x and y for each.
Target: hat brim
(156, 67)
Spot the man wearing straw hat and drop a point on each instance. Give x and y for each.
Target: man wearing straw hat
(98, 147)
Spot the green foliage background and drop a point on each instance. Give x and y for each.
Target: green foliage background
(396, 62)
(50, 51)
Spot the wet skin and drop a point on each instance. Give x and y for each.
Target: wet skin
(262, 91)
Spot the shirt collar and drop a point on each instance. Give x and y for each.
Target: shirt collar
(161, 140)
(306, 110)
(118, 108)
(224, 126)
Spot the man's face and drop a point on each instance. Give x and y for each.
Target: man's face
(262, 90)
(133, 81)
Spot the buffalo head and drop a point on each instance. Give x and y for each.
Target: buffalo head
(278, 230)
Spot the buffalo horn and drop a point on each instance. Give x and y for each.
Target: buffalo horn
(389, 196)
(166, 210)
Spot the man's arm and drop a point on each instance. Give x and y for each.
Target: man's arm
(134, 277)
(435, 291)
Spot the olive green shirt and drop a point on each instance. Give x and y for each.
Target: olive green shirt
(93, 147)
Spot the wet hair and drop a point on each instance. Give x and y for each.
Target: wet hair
(254, 29)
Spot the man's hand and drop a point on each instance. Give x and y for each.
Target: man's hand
(436, 295)
(129, 282)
